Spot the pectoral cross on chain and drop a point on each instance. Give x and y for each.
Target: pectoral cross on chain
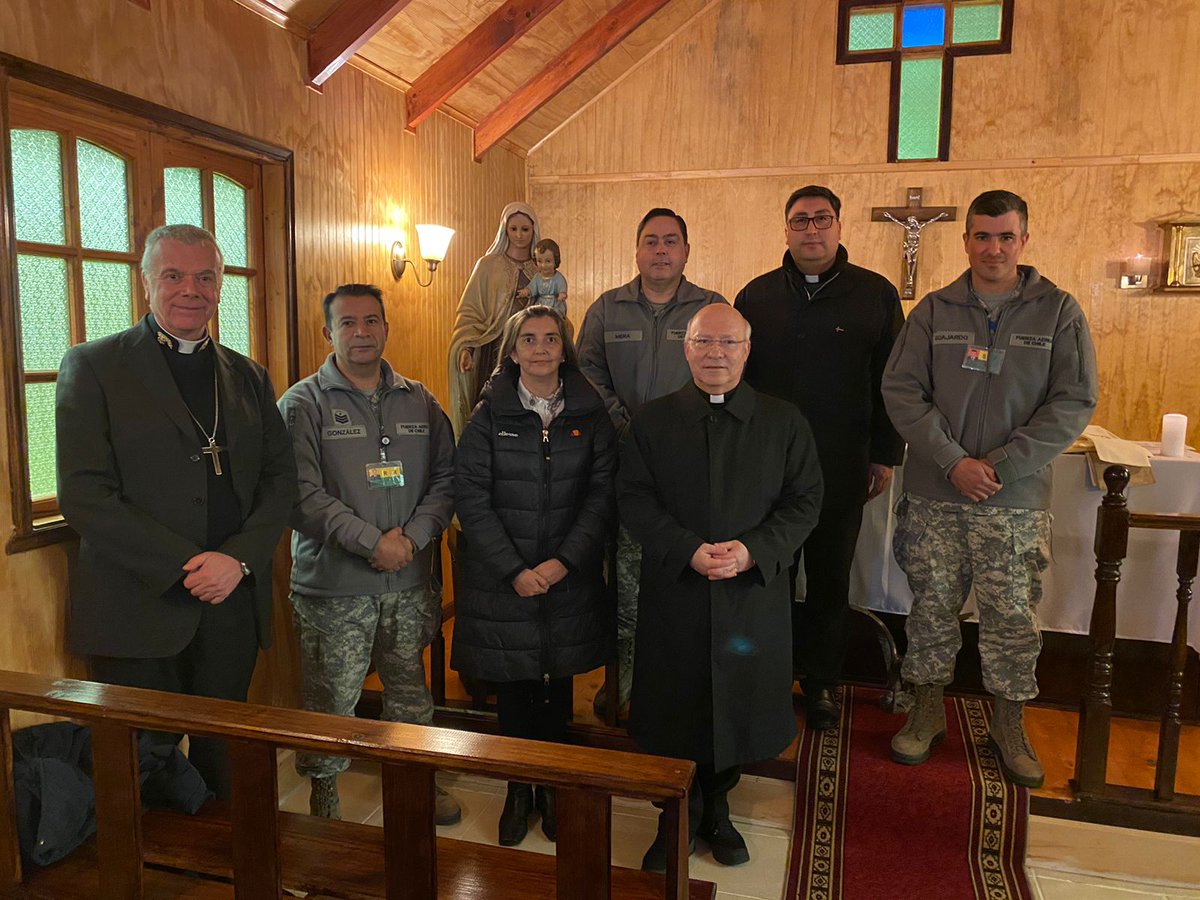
(213, 451)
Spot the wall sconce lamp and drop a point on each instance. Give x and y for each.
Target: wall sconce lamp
(1135, 272)
(433, 241)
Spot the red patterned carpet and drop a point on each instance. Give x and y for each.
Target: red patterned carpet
(869, 829)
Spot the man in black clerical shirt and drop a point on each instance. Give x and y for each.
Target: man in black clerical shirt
(823, 330)
(176, 470)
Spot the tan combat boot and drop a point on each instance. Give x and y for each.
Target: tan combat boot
(1017, 757)
(925, 728)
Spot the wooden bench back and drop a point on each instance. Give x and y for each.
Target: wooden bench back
(409, 755)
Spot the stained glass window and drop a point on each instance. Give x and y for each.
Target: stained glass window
(233, 315)
(919, 38)
(923, 26)
(38, 186)
(107, 297)
(181, 195)
(872, 30)
(977, 23)
(229, 219)
(81, 191)
(103, 198)
(45, 311)
(920, 108)
(39, 423)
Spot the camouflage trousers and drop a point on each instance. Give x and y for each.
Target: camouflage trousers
(946, 549)
(339, 638)
(629, 574)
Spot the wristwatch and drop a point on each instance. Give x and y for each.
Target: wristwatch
(245, 569)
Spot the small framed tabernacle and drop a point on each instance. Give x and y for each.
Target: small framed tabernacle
(1183, 256)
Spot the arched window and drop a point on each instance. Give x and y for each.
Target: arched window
(87, 187)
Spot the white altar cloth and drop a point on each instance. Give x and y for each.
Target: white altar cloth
(1146, 594)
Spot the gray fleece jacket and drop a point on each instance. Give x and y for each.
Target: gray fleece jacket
(1019, 418)
(632, 356)
(338, 518)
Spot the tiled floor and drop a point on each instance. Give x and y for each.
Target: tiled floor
(1067, 860)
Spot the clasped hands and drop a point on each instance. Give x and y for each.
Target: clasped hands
(394, 551)
(975, 479)
(723, 560)
(540, 578)
(212, 576)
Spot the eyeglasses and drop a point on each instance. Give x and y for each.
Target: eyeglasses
(726, 344)
(799, 223)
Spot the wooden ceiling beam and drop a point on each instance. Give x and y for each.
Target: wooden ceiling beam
(613, 28)
(471, 55)
(348, 26)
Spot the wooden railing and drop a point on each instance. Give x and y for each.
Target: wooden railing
(409, 755)
(1161, 806)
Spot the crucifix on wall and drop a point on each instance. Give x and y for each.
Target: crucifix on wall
(912, 217)
(921, 39)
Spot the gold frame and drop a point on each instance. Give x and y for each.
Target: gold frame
(1183, 260)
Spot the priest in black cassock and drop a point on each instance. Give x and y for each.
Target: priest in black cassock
(176, 470)
(720, 485)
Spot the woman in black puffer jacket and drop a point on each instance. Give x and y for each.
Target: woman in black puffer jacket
(534, 496)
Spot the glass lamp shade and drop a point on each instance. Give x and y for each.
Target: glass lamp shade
(434, 240)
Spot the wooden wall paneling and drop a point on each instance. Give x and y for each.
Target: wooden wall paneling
(1083, 220)
(1046, 97)
(352, 165)
(1152, 71)
(644, 41)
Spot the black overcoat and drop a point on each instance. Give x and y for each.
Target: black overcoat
(827, 356)
(132, 482)
(713, 662)
(522, 497)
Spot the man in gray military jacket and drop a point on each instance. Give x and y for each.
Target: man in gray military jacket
(991, 378)
(375, 458)
(631, 349)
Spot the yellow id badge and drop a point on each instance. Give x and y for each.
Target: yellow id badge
(386, 474)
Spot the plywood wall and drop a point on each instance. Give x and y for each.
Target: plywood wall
(1091, 118)
(361, 182)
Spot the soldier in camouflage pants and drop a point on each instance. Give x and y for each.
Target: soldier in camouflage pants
(991, 378)
(339, 635)
(945, 549)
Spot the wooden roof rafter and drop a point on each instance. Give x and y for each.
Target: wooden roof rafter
(340, 34)
(472, 55)
(588, 49)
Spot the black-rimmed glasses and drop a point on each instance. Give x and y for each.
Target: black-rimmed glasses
(821, 221)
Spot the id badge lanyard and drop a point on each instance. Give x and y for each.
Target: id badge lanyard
(385, 473)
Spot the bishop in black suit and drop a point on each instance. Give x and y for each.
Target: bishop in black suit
(175, 468)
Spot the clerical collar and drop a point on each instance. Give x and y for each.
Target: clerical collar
(718, 399)
(178, 344)
(811, 279)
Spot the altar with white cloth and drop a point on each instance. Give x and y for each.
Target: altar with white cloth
(1146, 594)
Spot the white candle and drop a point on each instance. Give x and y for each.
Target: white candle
(1174, 432)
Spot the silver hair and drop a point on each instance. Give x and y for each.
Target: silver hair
(184, 234)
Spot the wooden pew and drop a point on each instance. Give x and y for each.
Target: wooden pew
(251, 850)
(1161, 808)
